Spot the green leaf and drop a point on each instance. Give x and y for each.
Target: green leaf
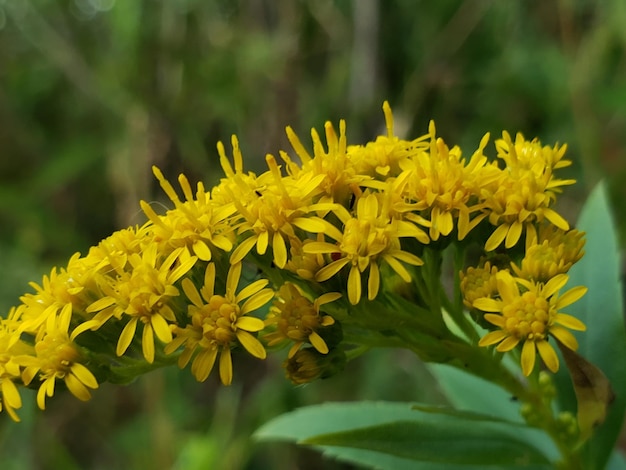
(397, 435)
(601, 309)
(454, 443)
(488, 399)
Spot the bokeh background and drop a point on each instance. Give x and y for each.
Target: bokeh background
(95, 92)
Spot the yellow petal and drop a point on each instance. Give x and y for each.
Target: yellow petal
(571, 296)
(147, 343)
(10, 394)
(232, 280)
(570, 322)
(257, 301)
(327, 298)
(226, 367)
(320, 248)
(398, 268)
(373, 282)
(77, 388)
(318, 342)
(263, 241)
(203, 364)
(251, 344)
(243, 249)
(528, 357)
(354, 285)
(497, 237)
(514, 234)
(548, 354)
(487, 305)
(554, 284)
(208, 288)
(564, 336)
(280, 250)
(331, 269)
(495, 319)
(126, 337)
(84, 375)
(191, 292)
(508, 343)
(250, 324)
(556, 219)
(407, 257)
(100, 304)
(492, 337)
(201, 250)
(161, 328)
(251, 289)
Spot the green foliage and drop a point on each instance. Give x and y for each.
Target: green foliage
(601, 309)
(425, 437)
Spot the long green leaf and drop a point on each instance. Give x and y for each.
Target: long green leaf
(601, 309)
(456, 443)
(392, 435)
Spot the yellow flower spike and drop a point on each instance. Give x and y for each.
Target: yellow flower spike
(219, 322)
(530, 316)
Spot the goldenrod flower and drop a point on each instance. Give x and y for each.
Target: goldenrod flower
(308, 364)
(444, 187)
(199, 224)
(384, 158)
(335, 165)
(219, 323)
(554, 253)
(10, 372)
(529, 317)
(141, 295)
(274, 213)
(297, 319)
(62, 290)
(367, 239)
(479, 282)
(526, 189)
(57, 357)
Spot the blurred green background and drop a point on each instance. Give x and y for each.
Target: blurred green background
(94, 92)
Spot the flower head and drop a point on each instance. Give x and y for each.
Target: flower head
(529, 316)
(141, 295)
(220, 322)
(369, 236)
(57, 357)
(525, 191)
(297, 319)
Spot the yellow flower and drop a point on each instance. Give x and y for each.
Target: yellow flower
(308, 364)
(199, 224)
(142, 294)
(63, 290)
(57, 357)
(554, 253)
(335, 165)
(367, 239)
(10, 347)
(219, 323)
(384, 158)
(298, 319)
(479, 282)
(279, 214)
(526, 189)
(530, 317)
(444, 187)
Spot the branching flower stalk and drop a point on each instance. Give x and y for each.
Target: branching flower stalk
(331, 252)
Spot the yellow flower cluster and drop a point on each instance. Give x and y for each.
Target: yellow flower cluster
(330, 232)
